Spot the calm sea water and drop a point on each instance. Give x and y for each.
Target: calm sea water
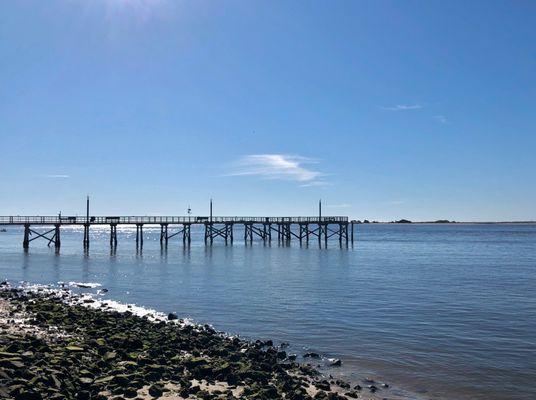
(438, 311)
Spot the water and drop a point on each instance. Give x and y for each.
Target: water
(438, 311)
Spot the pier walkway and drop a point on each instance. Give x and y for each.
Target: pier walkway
(302, 229)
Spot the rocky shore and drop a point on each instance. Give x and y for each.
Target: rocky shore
(59, 345)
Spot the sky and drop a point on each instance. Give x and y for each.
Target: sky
(383, 109)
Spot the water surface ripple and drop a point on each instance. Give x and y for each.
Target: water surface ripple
(447, 311)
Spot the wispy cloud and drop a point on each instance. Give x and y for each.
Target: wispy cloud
(57, 176)
(281, 167)
(441, 118)
(403, 107)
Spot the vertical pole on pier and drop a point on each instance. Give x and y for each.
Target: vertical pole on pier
(326, 235)
(210, 211)
(352, 227)
(57, 242)
(86, 225)
(231, 226)
(320, 226)
(26, 240)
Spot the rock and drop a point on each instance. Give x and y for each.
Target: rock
(372, 388)
(336, 362)
(312, 355)
(323, 385)
(130, 393)
(14, 363)
(172, 316)
(28, 395)
(83, 395)
(74, 348)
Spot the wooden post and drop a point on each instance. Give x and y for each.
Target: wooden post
(139, 228)
(57, 242)
(162, 234)
(113, 235)
(184, 234)
(26, 240)
(86, 235)
(86, 225)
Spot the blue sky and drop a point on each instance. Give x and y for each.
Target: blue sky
(384, 109)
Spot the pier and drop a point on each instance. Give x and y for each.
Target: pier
(302, 229)
(266, 229)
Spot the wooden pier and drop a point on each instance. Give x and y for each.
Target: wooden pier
(266, 229)
(303, 229)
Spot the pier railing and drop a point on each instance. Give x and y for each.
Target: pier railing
(81, 220)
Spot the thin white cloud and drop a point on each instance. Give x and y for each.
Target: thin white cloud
(441, 118)
(403, 107)
(279, 167)
(57, 176)
(316, 183)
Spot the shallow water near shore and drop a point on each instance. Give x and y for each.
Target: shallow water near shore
(443, 311)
